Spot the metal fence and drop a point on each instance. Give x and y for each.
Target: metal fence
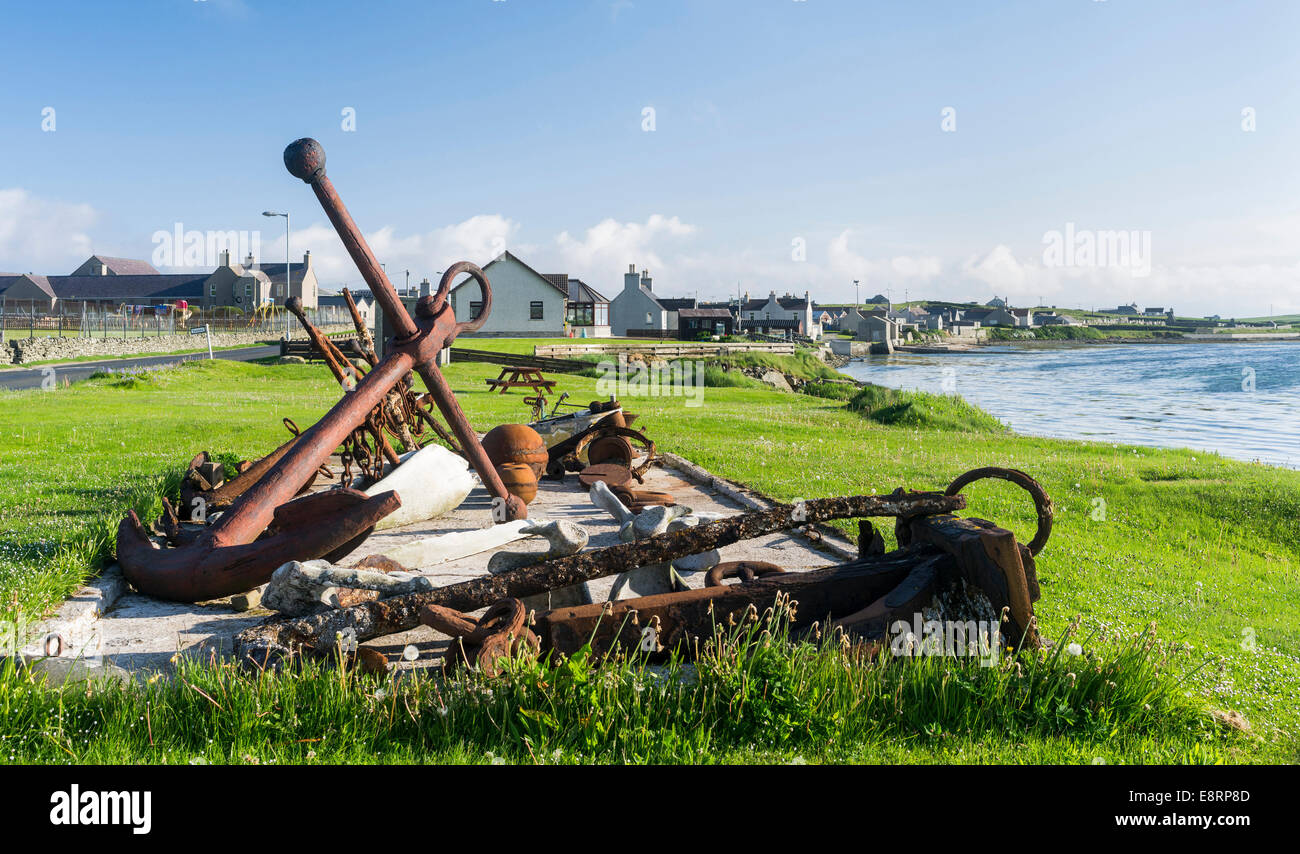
(72, 319)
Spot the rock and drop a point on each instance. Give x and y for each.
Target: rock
(291, 360)
(298, 589)
(776, 379)
(563, 538)
(64, 671)
(46, 347)
(247, 601)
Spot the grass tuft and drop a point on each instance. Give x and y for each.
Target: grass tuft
(922, 409)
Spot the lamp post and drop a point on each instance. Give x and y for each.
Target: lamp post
(857, 296)
(288, 279)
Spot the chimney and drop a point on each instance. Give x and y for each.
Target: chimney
(425, 287)
(631, 268)
(225, 258)
(306, 258)
(645, 280)
(249, 261)
(630, 280)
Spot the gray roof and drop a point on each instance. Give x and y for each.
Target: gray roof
(580, 291)
(150, 286)
(772, 323)
(275, 272)
(676, 303)
(42, 282)
(704, 312)
(125, 266)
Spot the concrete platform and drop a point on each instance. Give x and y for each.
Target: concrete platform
(144, 635)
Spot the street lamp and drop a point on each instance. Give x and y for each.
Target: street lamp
(288, 280)
(857, 296)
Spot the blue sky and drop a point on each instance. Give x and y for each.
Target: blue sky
(778, 124)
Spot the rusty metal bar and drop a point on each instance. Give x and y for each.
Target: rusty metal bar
(316, 633)
(680, 618)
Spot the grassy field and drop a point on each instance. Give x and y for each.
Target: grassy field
(1202, 547)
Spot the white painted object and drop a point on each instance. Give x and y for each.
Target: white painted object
(431, 482)
(428, 552)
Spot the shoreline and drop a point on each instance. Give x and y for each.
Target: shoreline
(1055, 435)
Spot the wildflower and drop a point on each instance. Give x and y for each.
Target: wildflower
(1074, 649)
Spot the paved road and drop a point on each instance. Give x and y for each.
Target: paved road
(72, 371)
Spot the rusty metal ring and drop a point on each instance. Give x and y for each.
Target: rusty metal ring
(1042, 503)
(485, 289)
(506, 617)
(290, 426)
(745, 570)
(601, 431)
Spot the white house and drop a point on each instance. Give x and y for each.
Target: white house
(788, 307)
(525, 303)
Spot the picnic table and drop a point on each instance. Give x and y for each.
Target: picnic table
(520, 377)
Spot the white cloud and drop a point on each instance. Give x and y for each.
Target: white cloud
(42, 236)
(609, 245)
(476, 239)
(1192, 288)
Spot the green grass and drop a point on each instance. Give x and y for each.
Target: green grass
(831, 391)
(921, 409)
(1076, 333)
(755, 694)
(1202, 546)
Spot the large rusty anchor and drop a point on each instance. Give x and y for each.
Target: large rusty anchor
(263, 527)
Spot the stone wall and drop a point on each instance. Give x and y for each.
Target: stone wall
(22, 351)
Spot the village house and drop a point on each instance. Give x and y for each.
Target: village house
(253, 283)
(692, 323)
(105, 282)
(526, 303)
(788, 307)
(636, 307)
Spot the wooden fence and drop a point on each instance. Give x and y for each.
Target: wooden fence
(563, 366)
(666, 350)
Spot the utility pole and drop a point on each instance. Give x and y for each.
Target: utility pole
(857, 296)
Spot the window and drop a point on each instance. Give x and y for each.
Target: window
(535, 310)
(647, 318)
(581, 314)
(475, 307)
(279, 290)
